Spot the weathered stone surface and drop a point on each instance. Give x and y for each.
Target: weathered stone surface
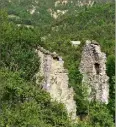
(56, 80)
(93, 69)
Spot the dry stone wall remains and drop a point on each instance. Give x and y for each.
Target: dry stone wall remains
(55, 80)
(93, 69)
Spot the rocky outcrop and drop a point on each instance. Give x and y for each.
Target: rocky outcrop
(55, 80)
(93, 69)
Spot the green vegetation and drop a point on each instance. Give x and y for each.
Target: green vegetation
(25, 104)
(22, 102)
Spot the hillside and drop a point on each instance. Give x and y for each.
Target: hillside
(26, 25)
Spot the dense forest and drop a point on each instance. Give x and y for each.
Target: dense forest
(22, 102)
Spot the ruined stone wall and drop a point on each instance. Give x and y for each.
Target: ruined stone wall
(56, 80)
(93, 69)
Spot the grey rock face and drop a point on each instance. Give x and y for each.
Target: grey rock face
(55, 80)
(93, 69)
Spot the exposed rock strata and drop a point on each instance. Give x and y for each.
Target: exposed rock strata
(93, 69)
(56, 80)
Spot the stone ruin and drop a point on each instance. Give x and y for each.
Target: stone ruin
(55, 80)
(55, 76)
(93, 69)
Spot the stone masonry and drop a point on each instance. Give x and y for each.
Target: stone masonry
(55, 80)
(93, 69)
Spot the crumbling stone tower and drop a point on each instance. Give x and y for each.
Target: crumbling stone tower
(93, 69)
(55, 80)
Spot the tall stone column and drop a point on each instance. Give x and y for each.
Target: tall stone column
(93, 69)
(55, 80)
